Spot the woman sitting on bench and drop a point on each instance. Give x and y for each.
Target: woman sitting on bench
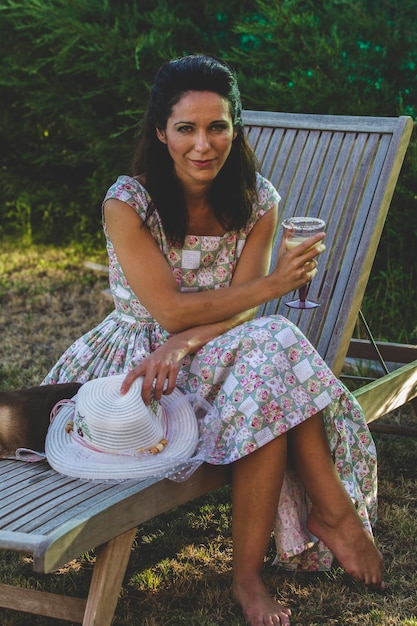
(189, 238)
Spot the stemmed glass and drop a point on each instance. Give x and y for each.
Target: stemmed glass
(297, 230)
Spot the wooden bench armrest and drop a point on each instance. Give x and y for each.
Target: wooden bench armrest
(389, 392)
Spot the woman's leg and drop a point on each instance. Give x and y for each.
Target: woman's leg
(333, 518)
(256, 485)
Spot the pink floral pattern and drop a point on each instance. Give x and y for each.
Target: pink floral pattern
(257, 381)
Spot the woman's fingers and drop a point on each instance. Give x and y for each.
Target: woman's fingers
(309, 251)
(158, 379)
(310, 248)
(310, 269)
(171, 381)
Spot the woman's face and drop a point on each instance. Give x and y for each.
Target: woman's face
(199, 135)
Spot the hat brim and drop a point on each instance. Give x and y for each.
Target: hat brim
(67, 456)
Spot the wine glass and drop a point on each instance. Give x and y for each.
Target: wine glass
(297, 230)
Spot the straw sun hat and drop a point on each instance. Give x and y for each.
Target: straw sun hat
(101, 434)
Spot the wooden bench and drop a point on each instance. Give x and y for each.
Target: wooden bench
(343, 169)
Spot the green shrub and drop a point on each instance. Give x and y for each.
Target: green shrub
(75, 77)
(334, 57)
(74, 81)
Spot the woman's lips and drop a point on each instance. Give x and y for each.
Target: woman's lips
(203, 164)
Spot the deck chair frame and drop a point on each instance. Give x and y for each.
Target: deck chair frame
(343, 169)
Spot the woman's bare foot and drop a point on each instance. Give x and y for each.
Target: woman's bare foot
(259, 609)
(352, 546)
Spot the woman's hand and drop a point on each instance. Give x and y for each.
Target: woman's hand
(297, 266)
(159, 370)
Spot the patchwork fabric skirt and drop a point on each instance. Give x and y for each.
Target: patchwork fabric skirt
(249, 386)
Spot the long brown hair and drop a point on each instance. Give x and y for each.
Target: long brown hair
(233, 191)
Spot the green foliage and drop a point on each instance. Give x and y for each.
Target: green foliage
(20, 215)
(329, 56)
(75, 78)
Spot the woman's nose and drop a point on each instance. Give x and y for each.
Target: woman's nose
(202, 143)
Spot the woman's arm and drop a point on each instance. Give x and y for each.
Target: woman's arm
(160, 369)
(150, 276)
(136, 248)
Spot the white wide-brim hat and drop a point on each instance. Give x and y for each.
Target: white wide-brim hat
(103, 435)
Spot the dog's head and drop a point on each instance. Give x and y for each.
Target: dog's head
(25, 414)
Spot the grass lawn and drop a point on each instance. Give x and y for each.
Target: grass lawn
(180, 568)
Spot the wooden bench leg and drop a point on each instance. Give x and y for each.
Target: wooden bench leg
(109, 570)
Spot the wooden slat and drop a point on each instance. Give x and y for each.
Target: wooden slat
(16, 541)
(53, 508)
(391, 352)
(339, 215)
(43, 501)
(122, 513)
(389, 392)
(33, 498)
(393, 429)
(352, 123)
(42, 603)
(13, 474)
(294, 143)
(266, 149)
(270, 159)
(315, 175)
(253, 134)
(90, 503)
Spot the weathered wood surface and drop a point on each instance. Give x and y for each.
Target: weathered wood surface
(388, 392)
(109, 569)
(45, 512)
(42, 603)
(343, 169)
(390, 352)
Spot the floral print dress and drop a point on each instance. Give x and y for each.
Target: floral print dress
(250, 385)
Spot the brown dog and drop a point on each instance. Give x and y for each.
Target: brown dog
(24, 415)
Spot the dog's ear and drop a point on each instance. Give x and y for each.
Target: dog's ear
(25, 414)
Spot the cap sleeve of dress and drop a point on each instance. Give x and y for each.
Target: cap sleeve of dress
(129, 190)
(268, 198)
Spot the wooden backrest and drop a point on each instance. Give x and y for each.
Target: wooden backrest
(343, 169)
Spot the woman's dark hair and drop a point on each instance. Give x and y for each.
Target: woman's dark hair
(234, 189)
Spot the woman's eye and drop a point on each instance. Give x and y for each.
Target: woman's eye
(219, 127)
